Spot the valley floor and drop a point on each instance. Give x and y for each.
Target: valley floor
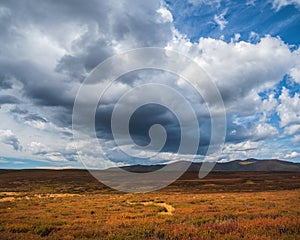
(34, 205)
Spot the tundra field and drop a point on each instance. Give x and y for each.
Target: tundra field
(71, 204)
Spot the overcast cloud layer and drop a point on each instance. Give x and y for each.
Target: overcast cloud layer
(49, 47)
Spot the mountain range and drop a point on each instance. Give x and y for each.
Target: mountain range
(252, 164)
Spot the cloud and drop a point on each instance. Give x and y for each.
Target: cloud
(48, 48)
(38, 148)
(220, 19)
(295, 71)
(296, 139)
(46, 152)
(265, 131)
(5, 83)
(8, 137)
(8, 99)
(206, 2)
(295, 74)
(166, 15)
(77, 37)
(250, 2)
(288, 110)
(278, 4)
(56, 168)
(243, 146)
(241, 69)
(34, 117)
(18, 110)
(291, 130)
(242, 150)
(81, 33)
(292, 155)
(3, 160)
(18, 162)
(254, 37)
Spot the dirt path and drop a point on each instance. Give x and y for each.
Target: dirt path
(169, 209)
(13, 196)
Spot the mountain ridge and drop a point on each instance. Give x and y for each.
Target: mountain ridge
(251, 164)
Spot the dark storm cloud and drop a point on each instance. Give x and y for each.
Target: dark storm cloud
(99, 29)
(150, 114)
(131, 27)
(5, 82)
(8, 99)
(102, 29)
(38, 85)
(140, 123)
(52, 96)
(145, 117)
(18, 110)
(62, 117)
(73, 66)
(128, 23)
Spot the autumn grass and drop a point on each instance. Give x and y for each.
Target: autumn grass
(196, 214)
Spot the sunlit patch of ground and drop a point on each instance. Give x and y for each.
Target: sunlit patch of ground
(246, 162)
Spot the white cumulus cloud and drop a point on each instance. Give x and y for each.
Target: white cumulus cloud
(289, 109)
(292, 155)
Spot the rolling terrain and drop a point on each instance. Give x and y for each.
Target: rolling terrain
(251, 164)
(226, 204)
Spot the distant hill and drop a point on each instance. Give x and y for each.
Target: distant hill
(251, 165)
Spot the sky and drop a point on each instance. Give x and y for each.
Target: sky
(250, 49)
